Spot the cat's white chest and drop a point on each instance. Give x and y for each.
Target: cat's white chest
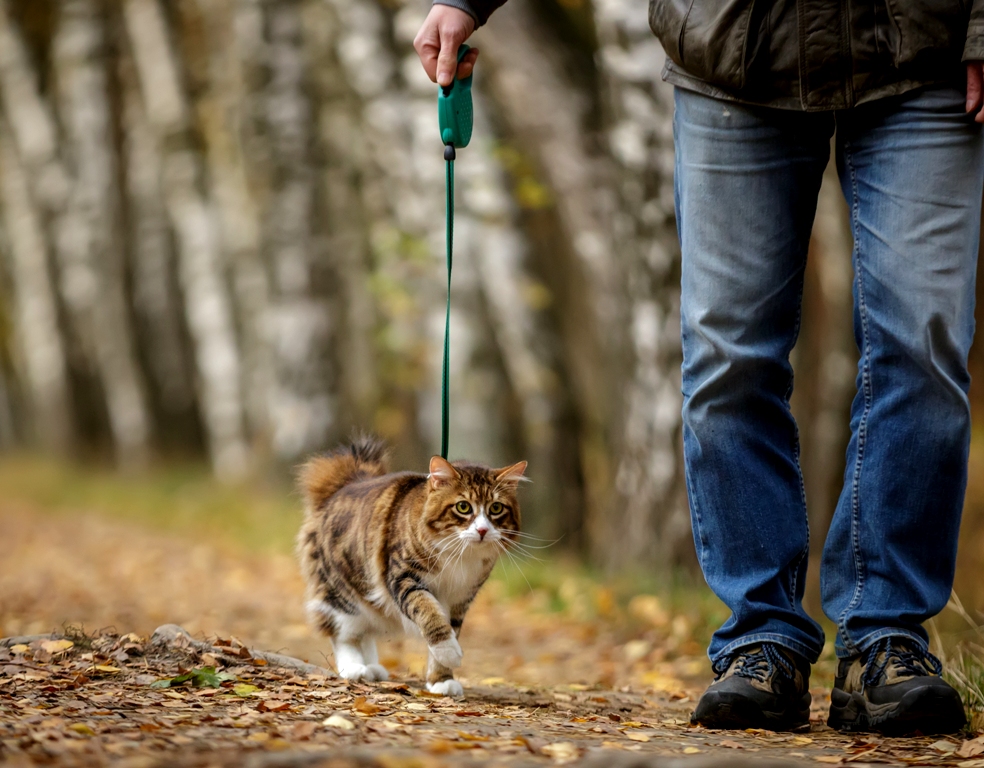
(457, 580)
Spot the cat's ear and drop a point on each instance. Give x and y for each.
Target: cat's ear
(441, 472)
(513, 474)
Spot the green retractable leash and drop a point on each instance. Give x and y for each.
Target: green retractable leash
(455, 117)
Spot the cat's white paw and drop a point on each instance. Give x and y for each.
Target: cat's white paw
(378, 672)
(447, 688)
(447, 653)
(355, 672)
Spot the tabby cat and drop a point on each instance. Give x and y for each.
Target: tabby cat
(385, 553)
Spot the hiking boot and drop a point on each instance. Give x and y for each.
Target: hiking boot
(761, 686)
(895, 688)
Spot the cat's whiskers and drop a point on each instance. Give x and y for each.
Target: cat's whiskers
(534, 537)
(515, 563)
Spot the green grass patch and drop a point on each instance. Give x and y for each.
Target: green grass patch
(184, 499)
(962, 654)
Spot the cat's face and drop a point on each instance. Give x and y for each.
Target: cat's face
(471, 508)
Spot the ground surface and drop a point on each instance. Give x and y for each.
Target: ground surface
(592, 684)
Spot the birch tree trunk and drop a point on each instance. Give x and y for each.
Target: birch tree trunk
(546, 114)
(89, 237)
(39, 354)
(402, 194)
(235, 153)
(156, 299)
(206, 299)
(300, 319)
(653, 523)
(339, 134)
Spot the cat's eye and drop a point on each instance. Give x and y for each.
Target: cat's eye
(496, 509)
(462, 508)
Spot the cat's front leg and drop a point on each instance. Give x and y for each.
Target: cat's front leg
(420, 606)
(440, 679)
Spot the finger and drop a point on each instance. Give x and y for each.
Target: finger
(975, 87)
(467, 64)
(446, 61)
(428, 46)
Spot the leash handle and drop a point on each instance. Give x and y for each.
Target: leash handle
(455, 113)
(455, 120)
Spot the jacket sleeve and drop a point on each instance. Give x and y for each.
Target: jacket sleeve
(974, 47)
(480, 10)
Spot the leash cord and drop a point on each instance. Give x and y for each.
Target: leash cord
(449, 155)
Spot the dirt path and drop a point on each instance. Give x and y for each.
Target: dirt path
(541, 688)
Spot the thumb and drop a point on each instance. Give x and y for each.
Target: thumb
(974, 78)
(447, 61)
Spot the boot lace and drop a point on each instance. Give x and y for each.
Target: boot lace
(759, 665)
(913, 660)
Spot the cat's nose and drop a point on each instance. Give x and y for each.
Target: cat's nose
(481, 531)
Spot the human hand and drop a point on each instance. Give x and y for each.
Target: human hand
(975, 90)
(437, 43)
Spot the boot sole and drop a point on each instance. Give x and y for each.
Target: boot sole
(731, 711)
(928, 710)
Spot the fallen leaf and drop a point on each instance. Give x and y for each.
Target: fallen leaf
(633, 736)
(57, 646)
(690, 750)
(105, 668)
(801, 741)
(731, 744)
(943, 746)
(244, 689)
(561, 751)
(971, 764)
(971, 748)
(532, 744)
(82, 728)
(829, 759)
(206, 677)
(365, 707)
(19, 648)
(337, 721)
(304, 730)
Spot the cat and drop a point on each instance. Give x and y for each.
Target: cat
(384, 553)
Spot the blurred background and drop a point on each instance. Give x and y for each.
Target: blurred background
(222, 249)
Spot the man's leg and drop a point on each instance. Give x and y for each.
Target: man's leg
(912, 171)
(747, 180)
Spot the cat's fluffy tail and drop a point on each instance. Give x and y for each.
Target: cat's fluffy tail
(321, 477)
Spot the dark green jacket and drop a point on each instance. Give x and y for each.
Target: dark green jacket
(808, 54)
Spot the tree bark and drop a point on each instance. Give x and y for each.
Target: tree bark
(89, 236)
(39, 352)
(206, 299)
(155, 294)
(235, 151)
(653, 523)
(546, 116)
(339, 133)
(300, 315)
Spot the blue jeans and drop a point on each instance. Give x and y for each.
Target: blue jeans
(747, 179)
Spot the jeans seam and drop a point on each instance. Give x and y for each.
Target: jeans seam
(768, 637)
(863, 421)
(794, 573)
(874, 637)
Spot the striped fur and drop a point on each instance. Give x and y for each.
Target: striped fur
(402, 552)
